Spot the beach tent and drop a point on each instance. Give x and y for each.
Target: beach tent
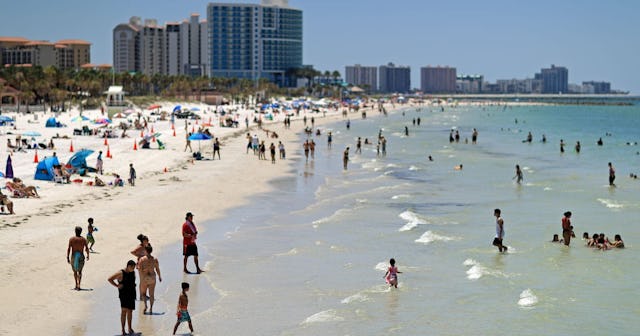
(52, 122)
(44, 170)
(79, 159)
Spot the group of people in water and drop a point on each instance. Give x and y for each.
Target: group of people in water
(598, 240)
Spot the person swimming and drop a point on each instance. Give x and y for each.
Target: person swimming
(556, 239)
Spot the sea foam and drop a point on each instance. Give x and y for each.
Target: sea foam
(324, 316)
(527, 298)
(430, 237)
(412, 220)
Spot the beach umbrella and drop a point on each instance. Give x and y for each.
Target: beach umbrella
(79, 118)
(8, 173)
(4, 118)
(128, 111)
(195, 109)
(32, 134)
(103, 121)
(153, 107)
(199, 137)
(177, 108)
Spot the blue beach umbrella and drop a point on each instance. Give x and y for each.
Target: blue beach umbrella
(79, 118)
(32, 134)
(195, 109)
(177, 108)
(199, 137)
(79, 159)
(4, 118)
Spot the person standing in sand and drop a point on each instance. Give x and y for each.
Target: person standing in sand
(189, 248)
(188, 142)
(99, 163)
(126, 292)
(567, 228)
(75, 255)
(497, 241)
(139, 252)
(149, 267)
(132, 175)
(272, 151)
(216, 149)
(612, 175)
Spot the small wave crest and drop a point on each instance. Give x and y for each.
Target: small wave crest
(414, 168)
(412, 219)
(395, 197)
(358, 297)
(527, 298)
(430, 237)
(291, 252)
(478, 270)
(330, 315)
(611, 204)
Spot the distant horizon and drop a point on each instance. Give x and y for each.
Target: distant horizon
(495, 39)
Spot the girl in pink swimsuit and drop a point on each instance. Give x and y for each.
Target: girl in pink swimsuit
(392, 274)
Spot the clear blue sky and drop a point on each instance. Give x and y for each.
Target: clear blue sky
(596, 40)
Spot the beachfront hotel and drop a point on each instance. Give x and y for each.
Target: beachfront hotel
(555, 80)
(438, 79)
(177, 48)
(255, 41)
(63, 54)
(365, 77)
(394, 79)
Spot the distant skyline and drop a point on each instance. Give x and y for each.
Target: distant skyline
(595, 40)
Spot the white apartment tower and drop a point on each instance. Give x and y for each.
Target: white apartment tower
(187, 47)
(364, 76)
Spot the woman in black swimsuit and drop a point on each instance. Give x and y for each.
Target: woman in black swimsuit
(127, 292)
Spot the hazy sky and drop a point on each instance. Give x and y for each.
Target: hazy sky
(596, 40)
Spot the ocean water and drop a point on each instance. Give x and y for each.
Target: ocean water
(309, 258)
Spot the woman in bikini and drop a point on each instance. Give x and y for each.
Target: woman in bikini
(139, 252)
(149, 267)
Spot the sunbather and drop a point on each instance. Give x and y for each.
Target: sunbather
(29, 191)
(5, 201)
(98, 182)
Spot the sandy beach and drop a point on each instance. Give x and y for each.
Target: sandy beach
(38, 282)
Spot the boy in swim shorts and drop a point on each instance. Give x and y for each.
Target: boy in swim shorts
(77, 247)
(182, 312)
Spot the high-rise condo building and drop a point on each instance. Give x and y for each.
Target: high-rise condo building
(64, 54)
(555, 80)
(394, 79)
(364, 76)
(255, 41)
(187, 47)
(174, 49)
(438, 79)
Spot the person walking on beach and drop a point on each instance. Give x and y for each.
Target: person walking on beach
(139, 252)
(132, 175)
(406, 131)
(90, 230)
(567, 228)
(383, 144)
(149, 267)
(518, 176)
(497, 241)
(281, 150)
(359, 146)
(182, 311)
(474, 136)
(126, 292)
(348, 124)
(345, 158)
(216, 149)
(272, 151)
(189, 248)
(188, 142)
(578, 147)
(99, 163)
(312, 149)
(612, 175)
(305, 146)
(329, 139)
(75, 255)
(561, 146)
(391, 276)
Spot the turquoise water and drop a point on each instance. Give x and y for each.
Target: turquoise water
(309, 258)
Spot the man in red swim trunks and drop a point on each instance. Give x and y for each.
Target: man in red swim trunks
(189, 248)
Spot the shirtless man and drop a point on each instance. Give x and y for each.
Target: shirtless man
(76, 249)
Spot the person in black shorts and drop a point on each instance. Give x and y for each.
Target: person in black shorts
(126, 292)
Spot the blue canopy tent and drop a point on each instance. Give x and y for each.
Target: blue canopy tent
(44, 170)
(52, 122)
(79, 159)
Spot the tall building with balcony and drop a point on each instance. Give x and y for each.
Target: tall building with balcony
(438, 79)
(187, 47)
(255, 41)
(64, 54)
(555, 80)
(394, 79)
(365, 77)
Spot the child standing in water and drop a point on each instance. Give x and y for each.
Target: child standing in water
(183, 313)
(392, 274)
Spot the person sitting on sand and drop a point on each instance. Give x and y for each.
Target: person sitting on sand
(117, 182)
(617, 242)
(5, 201)
(28, 191)
(98, 182)
(58, 171)
(50, 145)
